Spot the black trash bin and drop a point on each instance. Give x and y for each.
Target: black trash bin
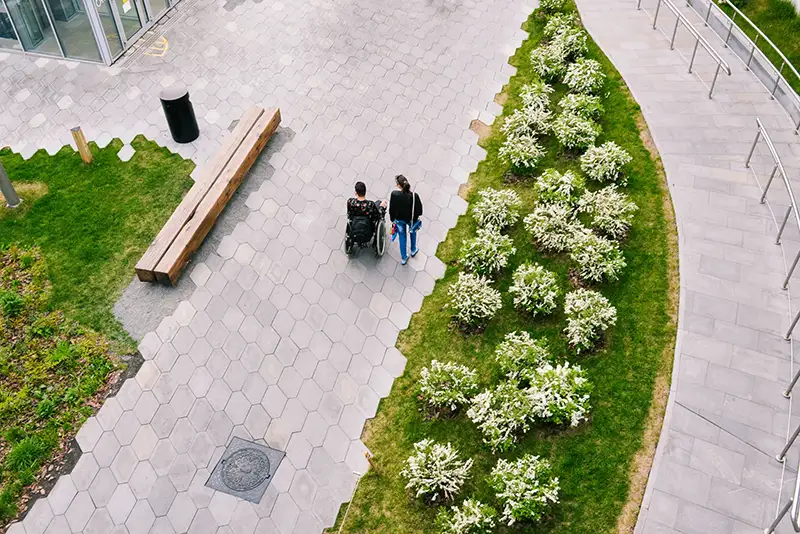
(180, 114)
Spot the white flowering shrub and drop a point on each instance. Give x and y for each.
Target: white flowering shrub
(559, 22)
(519, 354)
(447, 385)
(527, 122)
(585, 76)
(473, 300)
(570, 42)
(535, 289)
(604, 163)
(586, 106)
(501, 414)
(609, 210)
(496, 208)
(548, 61)
(435, 471)
(555, 187)
(536, 96)
(488, 252)
(522, 151)
(552, 6)
(472, 517)
(525, 487)
(598, 258)
(575, 132)
(552, 226)
(559, 393)
(589, 314)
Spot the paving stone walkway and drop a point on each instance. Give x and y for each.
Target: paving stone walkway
(284, 340)
(715, 469)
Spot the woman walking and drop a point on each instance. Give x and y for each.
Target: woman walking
(405, 208)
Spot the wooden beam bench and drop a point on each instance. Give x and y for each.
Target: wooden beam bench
(194, 217)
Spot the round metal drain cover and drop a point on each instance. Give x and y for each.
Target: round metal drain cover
(245, 469)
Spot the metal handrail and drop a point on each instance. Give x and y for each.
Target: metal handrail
(779, 77)
(699, 40)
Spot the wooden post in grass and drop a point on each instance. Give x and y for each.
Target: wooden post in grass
(12, 199)
(83, 146)
(368, 456)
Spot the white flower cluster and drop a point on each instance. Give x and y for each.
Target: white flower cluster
(548, 61)
(586, 106)
(496, 208)
(526, 122)
(535, 289)
(609, 210)
(604, 163)
(522, 127)
(575, 132)
(571, 42)
(559, 393)
(501, 414)
(551, 6)
(589, 314)
(525, 487)
(559, 22)
(552, 226)
(448, 385)
(435, 471)
(522, 151)
(472, 517)
(585, 76)
(473, 300)
(536, 96)
(488, 252)
(519, 353)
(555, 187)
(597, 257)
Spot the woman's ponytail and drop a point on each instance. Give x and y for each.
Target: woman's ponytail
(402, 181)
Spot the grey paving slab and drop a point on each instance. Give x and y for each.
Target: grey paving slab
(273, 334)
(714, 469)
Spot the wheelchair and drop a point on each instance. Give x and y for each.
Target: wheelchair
(377, 240)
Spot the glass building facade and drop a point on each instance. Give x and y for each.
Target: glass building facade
(88, 30)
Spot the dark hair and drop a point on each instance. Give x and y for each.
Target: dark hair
(361, 189)
(402, 181)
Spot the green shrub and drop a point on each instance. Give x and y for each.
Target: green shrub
(11, 303)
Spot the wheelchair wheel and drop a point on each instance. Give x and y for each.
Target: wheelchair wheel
(380, 239)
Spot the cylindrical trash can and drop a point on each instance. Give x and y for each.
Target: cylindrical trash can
(180, 114)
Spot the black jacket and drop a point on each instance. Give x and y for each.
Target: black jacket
(400, 206)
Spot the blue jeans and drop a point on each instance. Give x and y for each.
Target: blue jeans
(403, 229)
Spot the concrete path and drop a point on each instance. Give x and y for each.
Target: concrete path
(283, 340)
(715, 469)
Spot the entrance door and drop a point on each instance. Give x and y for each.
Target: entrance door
(122, 21)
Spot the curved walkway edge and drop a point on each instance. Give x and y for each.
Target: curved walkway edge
(715, 468)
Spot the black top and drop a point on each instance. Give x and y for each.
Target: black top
(362, 208)
(400, 206)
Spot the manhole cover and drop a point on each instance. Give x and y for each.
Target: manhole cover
(245, 469)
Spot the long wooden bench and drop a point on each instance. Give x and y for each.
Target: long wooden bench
(194, 217)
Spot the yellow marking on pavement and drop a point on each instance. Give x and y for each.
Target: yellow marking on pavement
(158, 48)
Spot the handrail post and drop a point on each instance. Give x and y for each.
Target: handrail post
(788, 391)
(674, 33)
(769, 183)
(708, 13)
(791, 270)
(752, 52)
(694, 53)
(777, 81)
(788, 335)
(785, 510)
(752, 149)
(714, 82)
(783, 225)
(782, 456)
(730, 31)
(655, 16)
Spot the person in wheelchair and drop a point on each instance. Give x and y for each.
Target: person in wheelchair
(365, 219)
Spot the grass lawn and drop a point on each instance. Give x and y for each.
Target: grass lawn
(93, 222)
(779, 20)
(596, 461)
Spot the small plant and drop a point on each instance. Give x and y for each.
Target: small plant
(501, 414)
(552, 6)
(447, 386)
(526, 122)
(609, 210)
(548, 61)
(585, 76)
(575, 132)
(525, 487)
(435, 471)
(519, 354)
(11, 303)
(522, 151)
(559, 394)
(586, 106)
(472, 517)
(473, 300)
(604, 163)
(488, 252)
(536, 96)
(552, 226)
(559, 22)
(570, 43)
(597, 257)
(555, 187)
(535, 289)
(497, 208)
(589, 314)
